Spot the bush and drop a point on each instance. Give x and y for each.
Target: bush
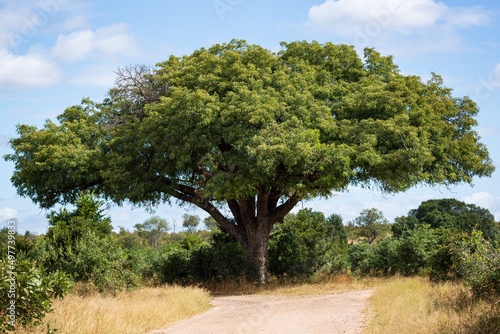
(102, 263)
(362, 258)
(415, 250)
(409, 255)
(480, 264)
(32, 291)
(175, 268)
(285, 255)
(222, 259)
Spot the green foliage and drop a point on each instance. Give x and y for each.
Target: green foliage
(450, 214)
(153, 229)
(129, 240)
(285, 254)
(175, 268)
(102, 263)
(371, 224)
(222, 259)
(446, 262)
(190, 222)
(32, 291)
(306, 242)
(211, 224)
(24, 243)
(67, 227)
(480, 264)
(362, 258)
(410, 255)
(191, 242)
(415, 251)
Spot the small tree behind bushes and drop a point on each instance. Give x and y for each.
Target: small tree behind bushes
(221, 259)
(306, 243)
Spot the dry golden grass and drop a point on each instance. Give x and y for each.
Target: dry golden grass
(415, 305)
(320, 285)
(139, 311)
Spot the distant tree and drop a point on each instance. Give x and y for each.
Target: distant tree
(129, 240)
(371, 223)
(451, 214)
(211, 224)
(335, 228)
(152, 230)
(190, 222)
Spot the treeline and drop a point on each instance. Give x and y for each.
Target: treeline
(444, 239)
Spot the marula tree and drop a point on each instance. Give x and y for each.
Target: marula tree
(245, 134)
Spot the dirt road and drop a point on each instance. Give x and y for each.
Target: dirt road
(334, 313)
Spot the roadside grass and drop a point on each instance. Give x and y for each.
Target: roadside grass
(139, 311)
(318, 285)
(415, 305)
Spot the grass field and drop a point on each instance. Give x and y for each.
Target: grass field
(415, 305)
(139, 311)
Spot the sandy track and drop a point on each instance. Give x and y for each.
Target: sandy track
(334, 313)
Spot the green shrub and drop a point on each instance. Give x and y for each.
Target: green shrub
(285, 255)
(361, 258)
(480, 264)
(32, 290)
(175, 268)
(415, 251)
(222, 259)
(102, 263)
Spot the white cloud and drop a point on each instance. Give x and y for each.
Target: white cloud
(391, 13)
(22, 20)
(8, 213)
(27, 71)
(365, 21)
(74, 23)
(107, 42)
(485, 200)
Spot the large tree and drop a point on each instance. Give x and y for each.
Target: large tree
(245, 134)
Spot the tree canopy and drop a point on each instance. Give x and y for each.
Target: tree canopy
(451, 214)
(257, 131)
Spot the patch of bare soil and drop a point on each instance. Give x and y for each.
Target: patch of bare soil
(333, 313)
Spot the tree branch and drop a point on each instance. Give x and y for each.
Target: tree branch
(285, 208)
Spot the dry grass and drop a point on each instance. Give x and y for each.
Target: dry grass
(320, 285)
(414, 305)
(139, 311)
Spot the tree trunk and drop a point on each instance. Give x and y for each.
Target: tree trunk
(256, 248)
(253, 219)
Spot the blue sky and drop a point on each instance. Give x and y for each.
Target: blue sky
(55, 52)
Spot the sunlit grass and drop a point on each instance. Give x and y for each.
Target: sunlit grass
(415, 305)
(139, 311)
(318, 285)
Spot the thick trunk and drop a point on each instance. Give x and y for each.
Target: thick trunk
(256, 247)
(253, 219)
